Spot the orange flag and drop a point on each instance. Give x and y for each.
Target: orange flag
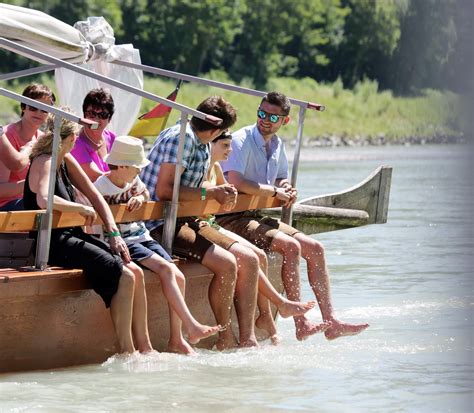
(154, 121)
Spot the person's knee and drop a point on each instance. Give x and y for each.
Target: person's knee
(262, 258)
(180, 279)
(291, 248)
(312, 248)
(127, 279)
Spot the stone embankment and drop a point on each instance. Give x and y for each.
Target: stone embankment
(379, 140)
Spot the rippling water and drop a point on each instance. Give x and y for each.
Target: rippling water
(411, 279)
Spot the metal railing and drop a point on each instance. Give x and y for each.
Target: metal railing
(185, 112)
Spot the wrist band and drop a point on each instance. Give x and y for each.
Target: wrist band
(274, 191)
(203, 194)
(113, 234)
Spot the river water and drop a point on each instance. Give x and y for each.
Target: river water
(411, 279)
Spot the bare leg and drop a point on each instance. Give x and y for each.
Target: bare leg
(221, 291)
(173, 284)
(246, 293)
(289, 248)
(121, 308)
(313, 253)
(139, 318)
(267, 293)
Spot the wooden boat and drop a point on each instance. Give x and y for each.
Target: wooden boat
(51, 319)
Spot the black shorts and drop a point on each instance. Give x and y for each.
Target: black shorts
(73, 248)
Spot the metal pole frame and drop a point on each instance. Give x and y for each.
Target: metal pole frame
(171, 210)
(287, 213)
(303, 105)
(184, 110)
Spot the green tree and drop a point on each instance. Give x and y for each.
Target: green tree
(427, 45)
(371, 35)
(284, 39)
(183, 35)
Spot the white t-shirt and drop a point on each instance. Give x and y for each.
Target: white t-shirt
(131, 231)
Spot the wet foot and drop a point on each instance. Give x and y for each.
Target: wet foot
(200, 332)
(250, 342)
(226, 340)
(338, 329)
(305, 328)
(267, 323)
(295, 308)
(180, 347)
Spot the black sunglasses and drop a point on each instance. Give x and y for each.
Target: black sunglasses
(33, 109)
(272, 117)
(91, 114)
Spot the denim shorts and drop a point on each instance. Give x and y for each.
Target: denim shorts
(140, 251)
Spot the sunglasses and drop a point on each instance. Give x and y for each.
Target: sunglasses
(91, 114)
(272, 117)
(33, 109)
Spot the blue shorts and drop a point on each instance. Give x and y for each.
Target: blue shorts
(142, 250)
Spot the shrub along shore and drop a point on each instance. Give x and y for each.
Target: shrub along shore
(358, 117)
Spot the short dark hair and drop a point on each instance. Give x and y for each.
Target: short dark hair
(99, 98)
(278, 99)
(37, 91)
(216, 106)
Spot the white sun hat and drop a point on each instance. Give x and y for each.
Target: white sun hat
(127, 151)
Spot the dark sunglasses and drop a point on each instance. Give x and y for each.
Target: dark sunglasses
(272, 117)
(33, 109)
(93, 114)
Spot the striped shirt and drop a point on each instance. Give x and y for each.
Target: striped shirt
(196, 158)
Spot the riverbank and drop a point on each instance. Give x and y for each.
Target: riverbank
(363, 116)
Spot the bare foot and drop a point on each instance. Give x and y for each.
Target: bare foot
(338, 329)
(250, 342)
(292, 308)
(266, 322)
(200, 331)
(305, 328)
(275, 339)
(226, 340)
(180, 347)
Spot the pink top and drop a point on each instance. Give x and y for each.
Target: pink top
(84, 152)
(11, 132)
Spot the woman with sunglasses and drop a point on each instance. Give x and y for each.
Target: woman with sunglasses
(16, 142)
(94, 144)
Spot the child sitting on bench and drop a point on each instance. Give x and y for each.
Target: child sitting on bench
(123, 185)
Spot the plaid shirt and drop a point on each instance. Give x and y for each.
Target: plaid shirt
(196, 158)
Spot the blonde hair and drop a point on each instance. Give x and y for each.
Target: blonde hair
(44, 145)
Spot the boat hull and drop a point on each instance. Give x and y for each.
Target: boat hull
(58, 321)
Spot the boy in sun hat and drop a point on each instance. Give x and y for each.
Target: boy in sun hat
(123, 185)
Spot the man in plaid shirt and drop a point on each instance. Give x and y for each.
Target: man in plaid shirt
(194, 238)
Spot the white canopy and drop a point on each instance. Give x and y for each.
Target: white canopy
(91, 44)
